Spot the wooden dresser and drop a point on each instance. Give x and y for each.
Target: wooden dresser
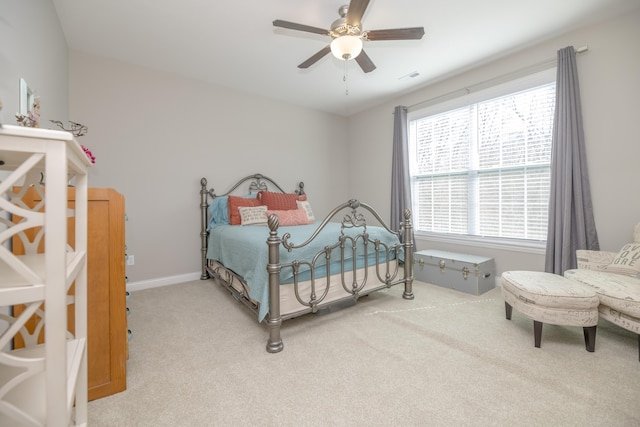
(107, 338)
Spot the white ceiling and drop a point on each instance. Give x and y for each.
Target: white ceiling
(234, 44)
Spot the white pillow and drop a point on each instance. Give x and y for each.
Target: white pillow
(627, 261)
(306, 207)
(252, 215)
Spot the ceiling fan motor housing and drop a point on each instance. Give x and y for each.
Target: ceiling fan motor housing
(339, 27)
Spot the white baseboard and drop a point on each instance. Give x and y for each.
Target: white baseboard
(162, 281)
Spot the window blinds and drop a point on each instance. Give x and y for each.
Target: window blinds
(484, 169)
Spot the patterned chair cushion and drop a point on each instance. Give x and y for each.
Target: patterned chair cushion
(549, 290)
(617, 291)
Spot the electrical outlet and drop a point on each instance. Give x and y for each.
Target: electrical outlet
(130, 260)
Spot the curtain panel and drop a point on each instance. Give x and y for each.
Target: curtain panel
(571, 222)
(400, 179)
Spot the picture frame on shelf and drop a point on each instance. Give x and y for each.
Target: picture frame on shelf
(29, 114)
(27, 98)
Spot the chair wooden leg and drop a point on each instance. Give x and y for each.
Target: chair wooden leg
(508, 310)
(590, 338)
(537, 332)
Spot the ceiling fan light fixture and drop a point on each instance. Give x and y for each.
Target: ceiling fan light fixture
(346, 47)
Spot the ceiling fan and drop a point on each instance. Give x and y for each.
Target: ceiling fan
(348, 36)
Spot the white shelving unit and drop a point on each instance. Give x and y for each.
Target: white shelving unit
(43, 384)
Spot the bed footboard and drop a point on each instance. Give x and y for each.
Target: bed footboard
(354, 219)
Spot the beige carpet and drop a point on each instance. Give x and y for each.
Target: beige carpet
(197, 358)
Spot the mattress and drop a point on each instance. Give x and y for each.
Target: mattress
(243, 250)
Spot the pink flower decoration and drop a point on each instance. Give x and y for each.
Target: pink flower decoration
(88, 153)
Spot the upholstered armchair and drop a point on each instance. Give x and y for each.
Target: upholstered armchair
(615, 276)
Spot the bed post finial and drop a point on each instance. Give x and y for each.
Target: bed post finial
(273, 222)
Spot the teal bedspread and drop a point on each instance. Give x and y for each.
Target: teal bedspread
(244, 250)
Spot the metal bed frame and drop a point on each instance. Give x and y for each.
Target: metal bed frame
(389, 272)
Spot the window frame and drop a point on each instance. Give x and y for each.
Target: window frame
(501, 88)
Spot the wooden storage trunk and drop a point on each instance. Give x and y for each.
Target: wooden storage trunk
(467, 273)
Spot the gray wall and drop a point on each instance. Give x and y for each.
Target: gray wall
(609, 76)
(155, 135)
(33, 47)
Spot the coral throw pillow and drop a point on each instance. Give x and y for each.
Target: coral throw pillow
(280, 201)
(291, 217)
(234, 203)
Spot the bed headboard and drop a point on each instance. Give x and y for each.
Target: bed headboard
(256, 182)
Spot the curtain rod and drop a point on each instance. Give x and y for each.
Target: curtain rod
(543, 65)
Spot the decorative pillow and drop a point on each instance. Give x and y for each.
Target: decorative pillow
(627, 261)
(253, 215)
(234, 203)
(594, 260)
(219, 211)
(306, 206)
(280, 201)
(291, 217)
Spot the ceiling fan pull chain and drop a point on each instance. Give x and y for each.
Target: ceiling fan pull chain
(345, 78)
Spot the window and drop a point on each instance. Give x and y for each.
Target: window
(483, 169)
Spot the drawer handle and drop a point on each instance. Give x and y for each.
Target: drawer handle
(465, 272)
(442, 265)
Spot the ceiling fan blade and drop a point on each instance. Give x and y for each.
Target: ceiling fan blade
(355, 12)
(414, 33)
(299, 27)
(315, 58)
(365, 62)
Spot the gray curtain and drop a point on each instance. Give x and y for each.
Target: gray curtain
(400, 180)
(571, 222)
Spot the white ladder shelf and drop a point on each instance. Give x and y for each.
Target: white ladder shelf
(43, 384)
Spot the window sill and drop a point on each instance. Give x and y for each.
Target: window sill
(517, 245)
